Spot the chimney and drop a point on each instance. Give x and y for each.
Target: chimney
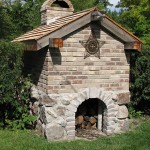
(54, 9)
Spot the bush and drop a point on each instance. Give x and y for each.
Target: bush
(140, 81)
(14, 88)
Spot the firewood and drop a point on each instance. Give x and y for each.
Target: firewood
(86, 118)
(94, 126)
(83, 126)
(88, 126)
(85, 123)
(79, 120)
(92, 120)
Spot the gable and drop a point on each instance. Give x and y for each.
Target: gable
(39, 37)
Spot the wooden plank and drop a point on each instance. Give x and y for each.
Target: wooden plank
(64, 30)
(133, 46)
(112, 28)
(30, 46)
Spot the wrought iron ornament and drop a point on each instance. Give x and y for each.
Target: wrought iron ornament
(92, 47)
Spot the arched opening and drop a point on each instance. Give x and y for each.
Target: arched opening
(90, 116)
(104, 107)
(60, 4)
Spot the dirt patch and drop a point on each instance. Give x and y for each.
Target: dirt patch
(89, 134)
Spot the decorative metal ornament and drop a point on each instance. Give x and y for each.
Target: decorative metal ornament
(92, 47)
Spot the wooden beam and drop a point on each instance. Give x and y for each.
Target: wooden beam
(96, 15)
(112, 28)
(64, 31)
(133, 46)
(30, 45)
(56, 42)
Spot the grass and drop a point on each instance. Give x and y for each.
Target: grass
(138, 139)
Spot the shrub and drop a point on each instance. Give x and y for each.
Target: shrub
(14, 88)
(140, 81)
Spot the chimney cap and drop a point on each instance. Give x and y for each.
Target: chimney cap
(60, 5)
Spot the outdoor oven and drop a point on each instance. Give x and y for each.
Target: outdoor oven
(79, 64)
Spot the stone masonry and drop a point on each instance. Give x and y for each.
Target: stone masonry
(67, 79)
(56, 112)
(63, 79)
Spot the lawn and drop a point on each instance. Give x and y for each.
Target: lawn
(138, 139)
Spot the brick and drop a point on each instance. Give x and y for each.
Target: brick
(71, 77)
(93, 68)
(64, 82)
(105, 50)
(76, 73)
(115, 59)
(120, 63)
(82, 77)
(76, 82)
(71, 68)
(50, 87)
(53, 73)
(114, 85)
(65, 73)
(110, 63)
(89, 63)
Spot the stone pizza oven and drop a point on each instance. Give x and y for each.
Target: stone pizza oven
(79, 64)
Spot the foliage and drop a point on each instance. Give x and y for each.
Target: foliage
(18, 16)
(135, 16)
(24, 140)
(140, 81)
(14, 95)
(133, 113)
(84, 4)
(5, 22)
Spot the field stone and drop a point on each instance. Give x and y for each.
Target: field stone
(47, 115)
(54, 132)
(123, 124)
(123, 98)
(65, 102)
(61, 121)
(34, 108)
(61, 111)
(46, 100)
(34, 93)
(122, 112)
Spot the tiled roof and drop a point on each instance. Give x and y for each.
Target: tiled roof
(44, 30)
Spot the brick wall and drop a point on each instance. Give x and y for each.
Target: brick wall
(67, 71)
(48, 16)
(49, 13)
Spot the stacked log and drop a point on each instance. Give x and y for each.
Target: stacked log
(86, 122)
(87, 114)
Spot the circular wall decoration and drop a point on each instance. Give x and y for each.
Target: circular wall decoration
(92, 46)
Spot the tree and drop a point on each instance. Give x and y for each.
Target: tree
(14, 94)
(135, 16)
(18, 17)
(84, 4)
(6, 25)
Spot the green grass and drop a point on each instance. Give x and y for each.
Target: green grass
(139, 139)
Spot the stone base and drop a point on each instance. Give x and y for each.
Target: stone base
(56, 113)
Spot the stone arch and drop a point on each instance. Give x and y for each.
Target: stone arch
(50, 2)
(108, 98)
